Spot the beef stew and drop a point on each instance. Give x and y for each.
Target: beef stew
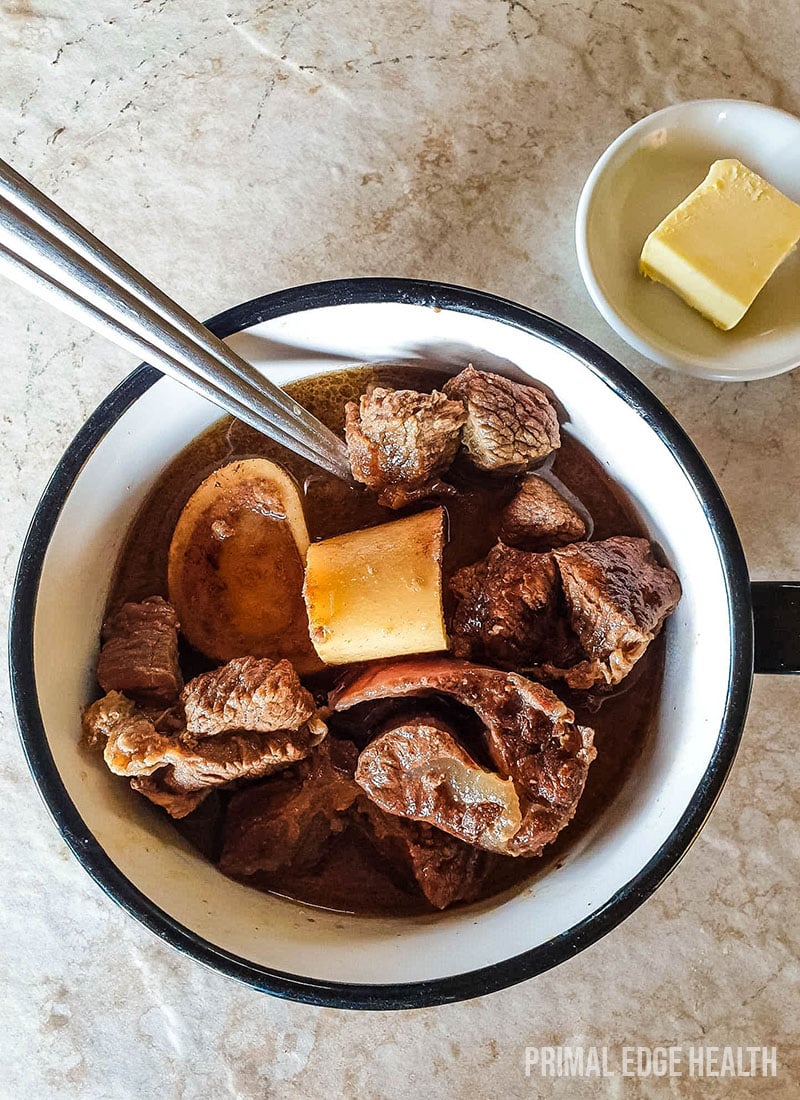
(311, 831)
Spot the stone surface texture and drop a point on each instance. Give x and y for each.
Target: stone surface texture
(229, 148)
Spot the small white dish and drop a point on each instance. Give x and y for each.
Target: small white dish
(643, 175)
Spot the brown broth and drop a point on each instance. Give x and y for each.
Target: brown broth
(352, 877)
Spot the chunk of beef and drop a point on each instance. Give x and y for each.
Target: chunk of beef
(445, 869)
(285, 822)
(510, 611)
(509, 426)
(105, 717)
(116, 716)
(140, 652)
(418, 770)
(175, 767)
(400, 441)
(583, 614)
(102, 717)
(618, 597)
(169, 720)
(136, 747)
(248, 693)
(177, 803)
(530, 734)
(539, 518)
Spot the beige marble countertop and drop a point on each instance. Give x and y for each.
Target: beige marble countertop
(229, 148)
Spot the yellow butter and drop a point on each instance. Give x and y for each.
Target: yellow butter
(720, 246)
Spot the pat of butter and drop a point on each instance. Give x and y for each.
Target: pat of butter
(720, 246)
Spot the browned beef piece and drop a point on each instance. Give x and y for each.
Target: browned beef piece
(618, 597)
(248, 693)
(539, 518)
(530, 734)
(179, 768)
(139, 749)
(178, 804)
(140, 652)
(417, 769)
(400, 441)
(445, 869)
(107, 715)
(286, 821)
(169, 720)
(116, 716)
(104, 716)
(510, 611)
(508, 426)
(583, 614)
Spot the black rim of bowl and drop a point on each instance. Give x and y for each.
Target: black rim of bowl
(441, 990)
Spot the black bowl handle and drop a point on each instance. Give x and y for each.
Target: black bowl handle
(776, 618)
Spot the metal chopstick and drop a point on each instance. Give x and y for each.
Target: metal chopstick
(80, 274)
(68, 278)
(29, 277)
(18, 191)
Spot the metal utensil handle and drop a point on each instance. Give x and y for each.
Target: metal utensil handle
(22, 194)
(35, 228)
(29, 277)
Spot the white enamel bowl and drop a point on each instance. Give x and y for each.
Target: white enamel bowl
(130, 848)
(644, 174)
